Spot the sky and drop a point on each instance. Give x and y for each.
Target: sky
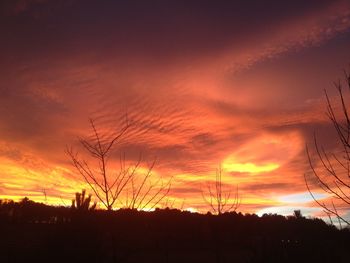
(206, 84)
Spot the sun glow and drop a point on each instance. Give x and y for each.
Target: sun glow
(249, 167)
(191, 210)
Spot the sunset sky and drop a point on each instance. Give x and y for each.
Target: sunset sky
(204, 83)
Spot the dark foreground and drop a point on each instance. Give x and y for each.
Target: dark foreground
(33, 232)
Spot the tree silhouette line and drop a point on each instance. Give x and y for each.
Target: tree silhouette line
(70, 234)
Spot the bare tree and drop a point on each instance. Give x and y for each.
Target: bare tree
(143, 193)
(109, 185)
(219, 198)
(332, 170)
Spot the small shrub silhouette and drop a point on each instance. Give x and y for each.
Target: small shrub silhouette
(82, 203)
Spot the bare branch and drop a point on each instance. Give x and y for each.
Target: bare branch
(333, 176)
(109, 186)
(219, 198)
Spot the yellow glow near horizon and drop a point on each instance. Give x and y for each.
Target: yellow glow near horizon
(249, 167)
(191, 209)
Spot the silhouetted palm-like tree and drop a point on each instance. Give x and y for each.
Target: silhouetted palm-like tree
(82, 202)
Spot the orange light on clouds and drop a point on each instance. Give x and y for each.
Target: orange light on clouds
(249, 108)
(249, 167)
(264, 154)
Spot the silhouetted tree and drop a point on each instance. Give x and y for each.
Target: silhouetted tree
(142, 192)
(333, 173)
(297, 214)
(107, 185)
(82, 203)
(218, 197)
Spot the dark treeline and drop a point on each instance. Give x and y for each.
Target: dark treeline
(34, 232)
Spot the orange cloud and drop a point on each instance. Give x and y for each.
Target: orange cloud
(246, 98)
